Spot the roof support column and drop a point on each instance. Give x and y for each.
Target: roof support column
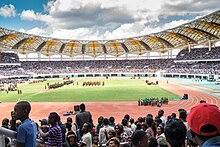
(104, 56)
(189, 47)
(160, 54)
(126, 56)
(210, 45)
(39, 56)
(26, 57)
(168, 54)
(61, 57)
(171, 54)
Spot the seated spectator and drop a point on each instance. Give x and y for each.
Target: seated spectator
(139, 139)
(175, 133)
(204, 123)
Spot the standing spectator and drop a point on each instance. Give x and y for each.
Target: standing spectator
(54, 134)
(161, 116)
(83, 117)
(100, 124)
(112, 121)
(103, 138)
(204, 123)
(27, 131)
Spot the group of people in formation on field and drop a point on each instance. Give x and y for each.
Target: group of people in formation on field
(199, 127)
(153, 101)
(93, 83)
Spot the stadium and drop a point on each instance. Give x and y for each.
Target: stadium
(112, 77)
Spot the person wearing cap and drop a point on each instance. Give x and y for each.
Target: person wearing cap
(139, 139)
(204, 123)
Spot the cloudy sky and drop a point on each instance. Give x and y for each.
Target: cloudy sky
(100, 19)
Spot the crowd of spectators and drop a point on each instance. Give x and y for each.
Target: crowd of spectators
(211, 67)
(199, 54)
(8, 58)
(117, 66)
(176, 130)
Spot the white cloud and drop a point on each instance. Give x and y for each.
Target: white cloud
(114, 19)
(8, 11)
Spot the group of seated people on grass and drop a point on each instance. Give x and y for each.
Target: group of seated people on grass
(199, 127)
(153, 101)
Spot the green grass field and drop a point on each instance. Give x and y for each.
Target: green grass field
(114, 90)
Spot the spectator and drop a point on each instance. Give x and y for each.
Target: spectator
(175, 133)
(113, 142)
(54, 134)
(27, 131)
(103, 138)
(139, 139)
(100, 124)
(83, 117)
(87, 137)
(204, 123)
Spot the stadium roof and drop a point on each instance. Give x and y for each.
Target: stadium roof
(196, 32)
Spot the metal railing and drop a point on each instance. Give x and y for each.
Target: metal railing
(11, 134)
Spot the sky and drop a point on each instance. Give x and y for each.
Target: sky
(100, 19)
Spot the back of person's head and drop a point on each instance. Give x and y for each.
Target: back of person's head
(82, 107)
(175, 133)
(25, 105)
(124, 122)
(149, 121)
(183, 115)
(204, 121)
(153, 142)
(139, 139)
(68, 125)
(149, 115)
(69, 119)
(131, 120)
(106, 121)
(127, 117)
(111, 119)
(160, 113)
(54, 116)
(5, 121)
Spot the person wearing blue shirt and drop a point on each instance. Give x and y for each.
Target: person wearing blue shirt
(26, 132)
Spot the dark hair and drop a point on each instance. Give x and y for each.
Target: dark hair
(124, 122)
(82, 107)
(25, 105)
(106, 121)
(127, 117)
(131, 120)
(183, 115)
(137, 136)
(68, 125)
(152, 142)
(111, 119)
(69, 119)
(55, 116)
(175, 133)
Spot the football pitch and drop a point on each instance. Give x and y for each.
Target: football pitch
(115, 89)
